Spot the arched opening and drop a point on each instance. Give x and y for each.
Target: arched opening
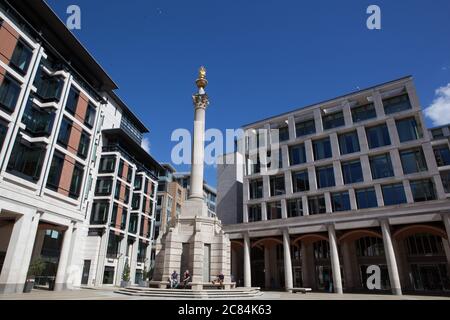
(267, 263)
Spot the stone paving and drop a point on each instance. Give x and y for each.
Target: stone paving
(109, 294)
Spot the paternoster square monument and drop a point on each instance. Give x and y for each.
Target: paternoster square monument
(194, 241)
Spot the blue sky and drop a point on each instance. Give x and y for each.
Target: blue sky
(263, 57)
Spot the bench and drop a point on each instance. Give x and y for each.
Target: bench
(302, 290)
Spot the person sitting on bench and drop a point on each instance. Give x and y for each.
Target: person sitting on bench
(220, 278)
(173, 280)
(186, 279)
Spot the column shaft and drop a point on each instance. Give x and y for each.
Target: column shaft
(335, 264)
(61, 273)
(247, 262)
(390, 258)
(287, 261)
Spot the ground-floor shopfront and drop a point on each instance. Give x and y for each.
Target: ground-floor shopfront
(384, 256)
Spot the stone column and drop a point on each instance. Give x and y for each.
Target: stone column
(61, 274)
(335, 264)
(247, 262)
(267, 271)
(101, 258)
(390, 258)
(288, 281)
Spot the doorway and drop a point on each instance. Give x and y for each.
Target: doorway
(86, 271)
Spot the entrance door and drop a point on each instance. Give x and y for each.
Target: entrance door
(86, 271)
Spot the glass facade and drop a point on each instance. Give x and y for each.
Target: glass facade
(54, 174)
(413, 161)
(366, 198)
(300, 181)
(38, 122)
(20, 60)
(349, 143)
(378, 136)
(442, 155)
(325, 177)
(408, 129)
(9, 93)
(333, 120)
(423, 190)
(352, 172)
(322, 149)
(305, 128)
(397, 104)
(26, 160)
(340, 201)
(297, 155)
(99, 214)
(365, 112)
(381, 166)
(393, 194)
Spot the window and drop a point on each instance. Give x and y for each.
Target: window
(136, 201)
(26, 160)
(49, 88)
(349, 143)
(77, 179)
(322, 149)
(90, 116)
(366, 198)
(277, 186)
(274, 210)
(3, 132)
(21, 57)
(424, 244)
(369, 247)
(333, 120)
(254, 213)
(277, 161)
(54, 174)
(133, 225)
(127, 195)
(305, 128)
(352, 172)
(378, 136)
(64, 132)
(437, 133)
(283, 133)
(83, 147)
(408, 129)
(294, 208)
(138, 182)
(120, 171)
(9, 93)
(300, 181)
(413, 161)
(340, 201)
(129, 174)
(38, 122)
(254, 164)
(393, 194)
(113, 247)
(364, 112)
(442, 154)
(325, 177)
(72, 101)
(423, 190)
(256, 189)
(103, 186)
(99, 214)
(396, 104)
(316, 205)
(117, 191)
(381, 166)
(297, 155)
(107, 164)
(445, 177)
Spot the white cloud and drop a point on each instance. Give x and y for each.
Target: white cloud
(146, 144)
(439, 110)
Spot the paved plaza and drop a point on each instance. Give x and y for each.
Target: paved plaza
(109, 294)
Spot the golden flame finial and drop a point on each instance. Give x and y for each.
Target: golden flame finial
(201, 81)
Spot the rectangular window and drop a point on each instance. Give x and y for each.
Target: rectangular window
(274, 210)
(445, 177)
(254, 213)
(408, 129)
(9, 94)
(129, 174)
(127, 195)
(423, 190)
(393, 194)
(89, 119)
(316, 205)
(366, 198)
(117, 191)
(133, 226)
(283, 133)
(54, 174)
(20, 60)
(72, 101)
(138, 182)
(349, 143)
(99, 214)
(305, 128)
(297, 155)
(333, 120)
(83, 147)
(300, 181)
(49, 88)
(340, 201)
(325, 177)
(113, 248)
(277, 186)
(64, 132)
(378, 136)
(107, 164)
(26, 160)
(103, 186)
(352, 172)
(364, 112)
(77, 179)
(256, 189)
(397, 104)
(3, 132)
(294, 208)
(136, 201)
(437, 133)
(322, 149)
(381, 166)
(38, 122)
(442, 154)
(413, 161)
(120, 171)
